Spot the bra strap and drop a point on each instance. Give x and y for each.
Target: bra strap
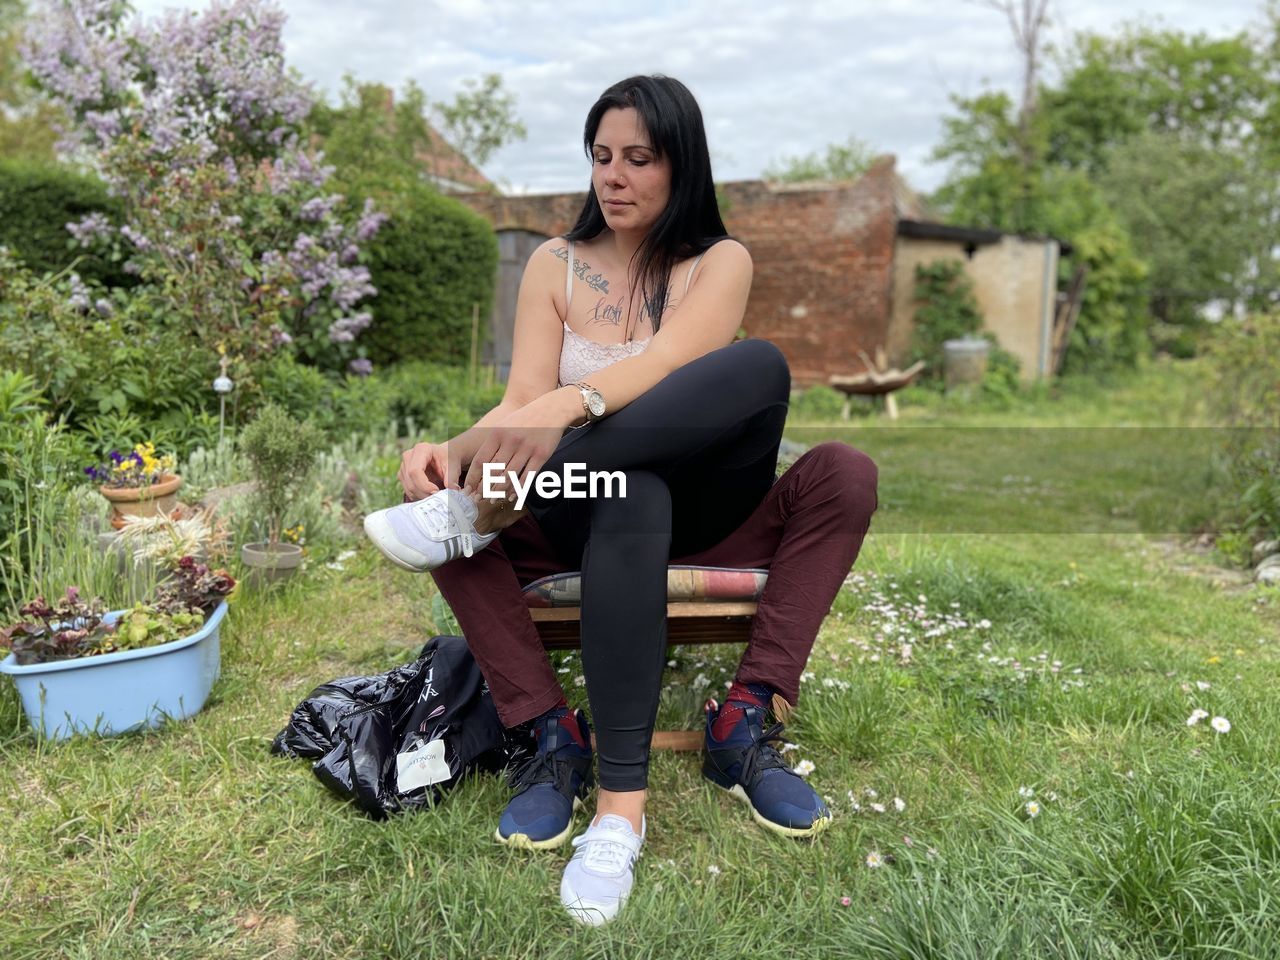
(688, 279)
(568, 279)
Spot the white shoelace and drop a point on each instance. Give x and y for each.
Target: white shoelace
(608, 852)
(441, 516)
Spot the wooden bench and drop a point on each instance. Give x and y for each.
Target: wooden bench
(705, 605)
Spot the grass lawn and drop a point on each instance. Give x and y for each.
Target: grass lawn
(977, 654)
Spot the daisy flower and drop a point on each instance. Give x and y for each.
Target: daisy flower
(899, 804)
(1032, 809)
(713, 870)
(874, 860)
(1026, 793)
(804, 768)
(878, 807)
(1196, 716)
(1221, 724)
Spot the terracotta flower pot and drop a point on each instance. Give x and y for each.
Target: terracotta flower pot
(160, 497)
(270, 562)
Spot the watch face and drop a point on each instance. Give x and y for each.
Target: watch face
(595, 403)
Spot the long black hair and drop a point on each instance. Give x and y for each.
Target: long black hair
(691, 221)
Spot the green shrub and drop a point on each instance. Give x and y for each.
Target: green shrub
(946, 310)
(36, 203)
(819, 402)
(439, 399)
(431, 262)
(1001, 380)
(339, 406)
(1243, 371)
(281, 451)
(106, 365)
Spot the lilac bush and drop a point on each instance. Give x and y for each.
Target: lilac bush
(194, 120)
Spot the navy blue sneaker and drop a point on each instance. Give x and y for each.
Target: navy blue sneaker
(552, 776)
(747, 764)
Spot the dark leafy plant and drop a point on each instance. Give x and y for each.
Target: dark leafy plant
(946, 309)
(71, 627)
(194, 587)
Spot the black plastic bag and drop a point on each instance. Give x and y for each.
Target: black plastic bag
(396, 741)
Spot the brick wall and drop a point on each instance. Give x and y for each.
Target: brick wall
(823, 256)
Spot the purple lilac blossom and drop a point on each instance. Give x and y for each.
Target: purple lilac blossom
(346, 329)
(371, 221)
(79, 298)
(317, 208)
(361, 367)
(90, 229)
(192, 89)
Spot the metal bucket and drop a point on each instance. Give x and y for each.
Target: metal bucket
(964, 361)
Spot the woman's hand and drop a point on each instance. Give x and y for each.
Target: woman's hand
(426, 468)
(522, 441)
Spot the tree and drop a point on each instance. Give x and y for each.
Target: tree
(481, 119)
(989, 186)
(1189, 208)
(842, 161)
(26, 119)
(373, 136)
(368, 139)
(1027, 142)
(1205, 89)
(1214, 104)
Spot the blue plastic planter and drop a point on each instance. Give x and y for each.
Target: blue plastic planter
(117, 692)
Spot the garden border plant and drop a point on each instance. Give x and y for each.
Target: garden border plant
(281, 453)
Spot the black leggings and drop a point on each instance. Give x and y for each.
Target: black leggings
(699, 451)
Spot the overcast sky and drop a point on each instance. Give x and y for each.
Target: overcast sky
(773, 79)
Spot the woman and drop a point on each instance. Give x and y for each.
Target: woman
(624, 360)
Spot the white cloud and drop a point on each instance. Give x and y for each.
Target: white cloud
(773, 80)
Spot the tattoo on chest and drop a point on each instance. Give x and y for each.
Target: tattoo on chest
(612, 314)
(606, 313)
(581, 269)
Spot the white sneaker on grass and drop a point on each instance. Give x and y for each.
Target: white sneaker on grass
(597, 881)
(425, 534)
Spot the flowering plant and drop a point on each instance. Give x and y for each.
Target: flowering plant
(194, 587)
(165, 540)
(73, 627)
(70, 627)
(140, 467)
(195, 123)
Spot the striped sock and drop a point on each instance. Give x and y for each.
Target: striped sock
(740, 696)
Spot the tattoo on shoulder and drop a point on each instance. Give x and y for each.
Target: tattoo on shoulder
(596, 281)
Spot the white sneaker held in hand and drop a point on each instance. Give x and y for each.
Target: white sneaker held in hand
(597, 880)
(428, 533)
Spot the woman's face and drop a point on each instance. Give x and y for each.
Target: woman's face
(632, 184)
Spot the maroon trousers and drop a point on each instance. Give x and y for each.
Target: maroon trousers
(807, 531)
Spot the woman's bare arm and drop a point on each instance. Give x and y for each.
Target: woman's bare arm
(705, 320)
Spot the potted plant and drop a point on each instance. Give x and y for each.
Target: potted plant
(146, 547)
(81, 669)
(138, 483)
(281, 452)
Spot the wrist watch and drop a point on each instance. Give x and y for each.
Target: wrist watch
(592, 401)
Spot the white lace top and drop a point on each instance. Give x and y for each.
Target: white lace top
(581, 356)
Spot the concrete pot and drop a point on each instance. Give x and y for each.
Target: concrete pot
(964, 362)
(270, 562)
